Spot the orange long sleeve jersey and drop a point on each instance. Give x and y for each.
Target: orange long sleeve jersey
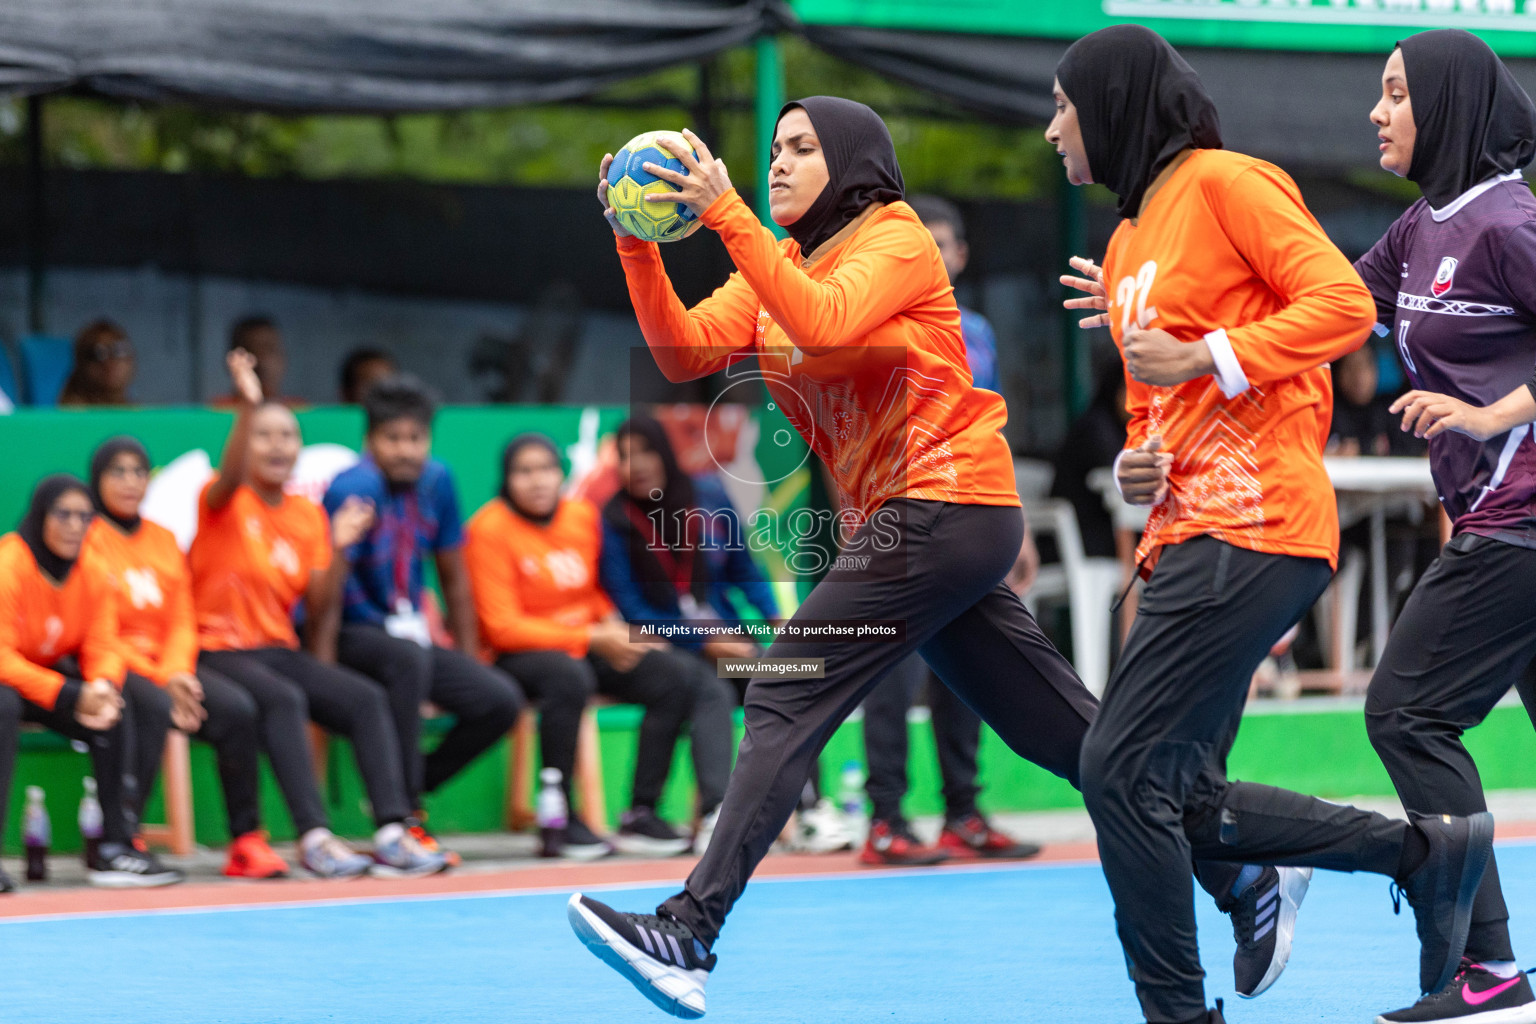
(1227, 251)
(42, 621)
(251, 563)
(860, 348)
(535, 587)
(155, 621)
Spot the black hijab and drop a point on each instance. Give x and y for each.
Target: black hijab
(102, 458)
(1473, 119)
(861, 167)
(44, 496)
(509, 455)
(665, 565)
(1139, 105)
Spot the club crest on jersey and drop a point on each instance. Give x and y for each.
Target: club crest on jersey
(1443, 277)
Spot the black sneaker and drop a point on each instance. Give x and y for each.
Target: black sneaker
(1475, 996)
(7, 883)
(1442, 889)
(640, 831)
(581, 843)
(120, 866)
(1263, 923)
(658, 955)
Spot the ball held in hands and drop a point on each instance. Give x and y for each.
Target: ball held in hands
(629, 183)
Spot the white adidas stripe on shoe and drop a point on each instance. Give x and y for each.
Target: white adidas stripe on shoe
(660, 973)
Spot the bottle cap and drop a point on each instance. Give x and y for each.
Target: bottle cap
(90, 786)
(34, 792)
(550, 776)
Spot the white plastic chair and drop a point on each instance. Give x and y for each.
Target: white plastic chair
(1089, 586)
(1033, 478)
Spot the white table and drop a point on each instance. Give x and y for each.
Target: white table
(1367, 487)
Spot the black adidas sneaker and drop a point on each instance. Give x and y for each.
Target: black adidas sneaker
(1442, 889)
(1263, 924)
(1475, 996)
(658, 955)
(124, 866)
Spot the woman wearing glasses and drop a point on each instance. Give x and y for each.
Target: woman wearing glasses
(60, 666)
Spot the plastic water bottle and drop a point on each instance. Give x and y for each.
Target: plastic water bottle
(37, 834)
(90, 821)
(850, 792)
(552, 813)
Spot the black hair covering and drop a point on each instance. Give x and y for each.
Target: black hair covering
(1473, 119)
(509, 455)
(47, 492)
(100, 460)
(626, 514)
(1139, 105)
(861, 167)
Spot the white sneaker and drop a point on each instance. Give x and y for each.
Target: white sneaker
(823, 829)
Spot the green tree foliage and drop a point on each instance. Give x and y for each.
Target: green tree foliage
(941, 149)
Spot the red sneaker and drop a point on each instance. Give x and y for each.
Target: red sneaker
(896, 845)
(973, 838)
(251, 857)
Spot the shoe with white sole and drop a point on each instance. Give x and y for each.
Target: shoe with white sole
(125, 866)
(1475, 996)
(642, 832)
(1264, 923)
(581, 843)
(325, 855)
(823, 829)
(403, 856)
(658, 955)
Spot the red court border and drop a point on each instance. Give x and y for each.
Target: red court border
(35, 904)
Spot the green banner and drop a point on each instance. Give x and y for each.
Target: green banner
(468, 439)
(766, 454)
(1366, 26)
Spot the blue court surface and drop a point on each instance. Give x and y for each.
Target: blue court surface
(1014, 944)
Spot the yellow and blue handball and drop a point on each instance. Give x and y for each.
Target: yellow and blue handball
(629, 183)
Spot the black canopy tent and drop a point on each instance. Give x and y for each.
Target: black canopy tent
(391, 56)
(1303, 110)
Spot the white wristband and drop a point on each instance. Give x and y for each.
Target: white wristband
(1229, 372)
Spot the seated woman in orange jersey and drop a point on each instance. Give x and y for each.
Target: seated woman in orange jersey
(159, 642)
(533, 564)
(61, 666)
(258, 551)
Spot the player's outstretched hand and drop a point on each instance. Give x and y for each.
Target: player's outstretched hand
(706, 180)
(242, 373)
(1142, 473)
(1093, 284)
(602, 197)
(1430, 415)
